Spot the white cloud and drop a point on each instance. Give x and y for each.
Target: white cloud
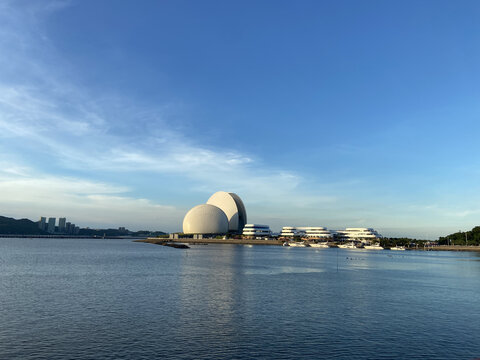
(88, 203)
(77, 131)
(45, 117)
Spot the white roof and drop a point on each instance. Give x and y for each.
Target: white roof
(205, 219)
(232, 206)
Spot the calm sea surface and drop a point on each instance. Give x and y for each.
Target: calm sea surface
(115, 299)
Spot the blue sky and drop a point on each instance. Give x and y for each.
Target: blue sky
(327, 113)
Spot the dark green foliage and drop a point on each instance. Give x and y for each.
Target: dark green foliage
(407, 242)
(472, 238)
(10, 226)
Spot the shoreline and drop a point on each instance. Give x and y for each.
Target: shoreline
(475, 248)
(9, 236)
(212, 241)
(471, 248)
(157, 241)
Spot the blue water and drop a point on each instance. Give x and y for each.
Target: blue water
(115, 299)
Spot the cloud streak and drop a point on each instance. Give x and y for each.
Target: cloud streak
(68, 150)
(88, 203)
(46, 119)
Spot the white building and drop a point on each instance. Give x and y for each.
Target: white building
(289, 231)
(256, 230)
(358, 234)
(233, 207)
(306, 231)
(317, 232)
(205, 219)
(223, 213)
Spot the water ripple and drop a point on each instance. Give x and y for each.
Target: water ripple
(113, 299)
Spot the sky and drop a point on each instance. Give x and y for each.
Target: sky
(316, 113)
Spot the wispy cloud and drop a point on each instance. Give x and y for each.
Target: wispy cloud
(45, 117)
(26, 193)
(77, 130)
(57, 138)
(74, 141)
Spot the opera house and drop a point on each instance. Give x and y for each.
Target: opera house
(224, 213)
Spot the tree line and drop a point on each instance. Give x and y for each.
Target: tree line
(471, 237)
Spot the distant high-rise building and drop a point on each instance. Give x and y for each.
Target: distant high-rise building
(42, 223)
(51, 225)
(76, 231)
(68, 228)
(61, 225)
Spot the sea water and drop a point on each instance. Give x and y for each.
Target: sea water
(116, 299)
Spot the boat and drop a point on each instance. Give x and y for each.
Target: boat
(350, 245)
(285, 243)
(373, 247)
(297, 244)
(398, 248)
(173, 245)
(319, 245)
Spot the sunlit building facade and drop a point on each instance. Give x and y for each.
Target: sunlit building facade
(358, 234)
(256, 230)
(313, 232)
(224, 213)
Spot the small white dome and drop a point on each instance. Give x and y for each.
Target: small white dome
(205, 219)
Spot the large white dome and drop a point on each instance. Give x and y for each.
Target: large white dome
(242, 213)
(233, 207)
(205, 219)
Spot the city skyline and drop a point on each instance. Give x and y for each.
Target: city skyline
(63, 226)
(335, 114)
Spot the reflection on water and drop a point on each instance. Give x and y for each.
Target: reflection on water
(110, 299)
(210, 291)
(282, 270)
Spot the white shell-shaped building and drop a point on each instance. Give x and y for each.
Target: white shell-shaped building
(233, 207)
(205, 219)
(223, 213)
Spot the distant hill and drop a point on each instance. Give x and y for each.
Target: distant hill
(10, 226)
